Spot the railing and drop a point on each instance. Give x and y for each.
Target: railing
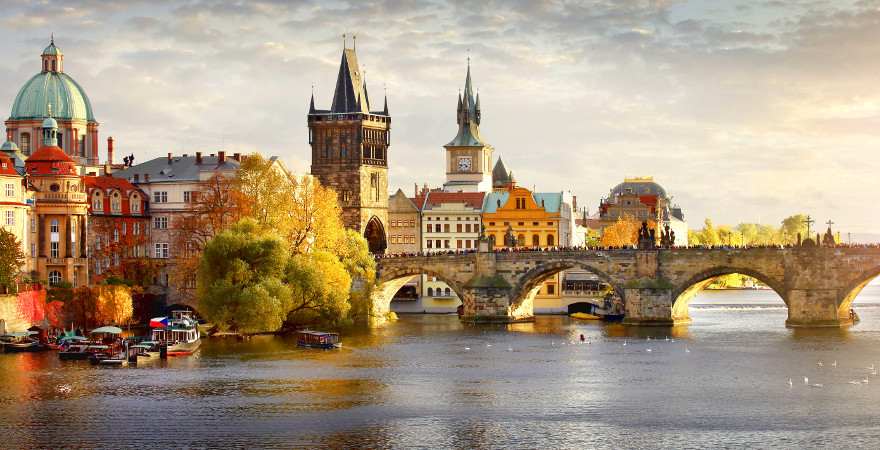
(373, 161)
(69, 197)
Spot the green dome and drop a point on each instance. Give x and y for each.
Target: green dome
(68, 99)
(52, 50)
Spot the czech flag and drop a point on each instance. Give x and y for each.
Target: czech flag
(158, 322)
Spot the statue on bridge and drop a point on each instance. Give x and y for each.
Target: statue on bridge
(828, 240)
(509, 238)
(647, 238)
(667, 237)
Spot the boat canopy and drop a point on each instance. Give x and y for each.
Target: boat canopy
(108, 330)
(146, 346)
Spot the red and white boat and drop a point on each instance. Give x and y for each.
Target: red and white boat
(180, 332)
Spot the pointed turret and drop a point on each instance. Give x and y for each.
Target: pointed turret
(312, 103)
(385, 109)
(468, 117)
(349, 95)
(500, 175)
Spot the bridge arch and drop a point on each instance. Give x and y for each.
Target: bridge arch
(392, 280)
(683, 293)
(853, 289)
(528, 285)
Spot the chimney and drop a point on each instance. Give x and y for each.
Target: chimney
(108, 169)
(146, 178)
(169, 158)
(221, 157)
(236, 156)
(137, 178)
(198, 158)
(110, 150)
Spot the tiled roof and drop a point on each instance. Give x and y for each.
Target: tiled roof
(552, 201)
(181, 168)
(105, 183)
(51, 154)
(7, 166)
(470, 199)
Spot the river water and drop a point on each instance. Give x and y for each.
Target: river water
(431, 382)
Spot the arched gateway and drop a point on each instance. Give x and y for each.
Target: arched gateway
(817, 284)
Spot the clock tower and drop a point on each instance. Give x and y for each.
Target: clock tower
(468, 158)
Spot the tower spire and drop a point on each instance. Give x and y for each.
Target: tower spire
(312, 102)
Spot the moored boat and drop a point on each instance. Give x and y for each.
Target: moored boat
(317, 339)
(180, 333)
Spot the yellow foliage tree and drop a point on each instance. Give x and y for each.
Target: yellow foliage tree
(306, 214)
(623, 233)
(114, 304)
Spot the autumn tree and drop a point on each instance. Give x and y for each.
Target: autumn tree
(11, 258)
(319, 285)
(623, 233)
(211, 209)
(302, 211)
(240, 279)
(792, 226)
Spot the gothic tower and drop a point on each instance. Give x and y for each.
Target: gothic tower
(350, 152)
(468, 157)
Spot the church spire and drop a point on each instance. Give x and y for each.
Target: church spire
(468, 115)
(350, 94)
(312, 101)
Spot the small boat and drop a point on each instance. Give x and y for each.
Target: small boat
(108, 360)
(22, 342)
(144, 351)
(180, 333)
(76, 351)
(584, 316)
(317, 339)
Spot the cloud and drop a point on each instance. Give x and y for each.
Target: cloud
(743, 110)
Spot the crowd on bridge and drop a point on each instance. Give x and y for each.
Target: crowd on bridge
(568, 249)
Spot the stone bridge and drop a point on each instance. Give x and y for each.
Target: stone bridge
(818, 284)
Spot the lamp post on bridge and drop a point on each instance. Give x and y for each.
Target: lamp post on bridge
(809, 221)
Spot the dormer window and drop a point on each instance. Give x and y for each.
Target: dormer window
(116, 203)
(54, 187)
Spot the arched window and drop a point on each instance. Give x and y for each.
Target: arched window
(135, 204)
(97, 202)
(550, 240)
(115, 235)
(447, 292)
(54, 278)
(521, 240)
(430, 292)
(24, 143)
(116, 202)
(536, 240)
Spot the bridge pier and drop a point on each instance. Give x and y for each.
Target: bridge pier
(653, 307)
(492, 304)
(816, 308)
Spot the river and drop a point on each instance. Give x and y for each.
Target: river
(431, 382)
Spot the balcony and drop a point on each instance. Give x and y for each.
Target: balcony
(63, 261)
(61, 197)
(373, 161)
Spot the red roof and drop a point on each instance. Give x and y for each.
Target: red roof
(105, 182)
(49, 154)
(470, 199)
(7, 167)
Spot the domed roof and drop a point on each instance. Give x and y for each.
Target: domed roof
(9, 146)
(68, 99)
(52, 50)
(639, 186)
(50, 122)
(49, 154)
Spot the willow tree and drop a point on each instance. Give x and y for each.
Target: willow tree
(240, 279)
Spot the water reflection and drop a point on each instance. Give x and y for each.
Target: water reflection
(430, 381)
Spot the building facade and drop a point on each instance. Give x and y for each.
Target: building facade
(16, 203)
(350, 153)
(119, 227)
(468, 157)
(60, 215)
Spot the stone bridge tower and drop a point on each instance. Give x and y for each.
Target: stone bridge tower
(350, 152)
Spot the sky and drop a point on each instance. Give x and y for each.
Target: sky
(745, 111)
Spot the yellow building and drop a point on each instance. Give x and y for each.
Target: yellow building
(517, 217)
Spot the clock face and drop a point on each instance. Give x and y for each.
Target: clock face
(464, 164)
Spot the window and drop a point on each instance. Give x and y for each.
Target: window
(187, 196)
(53, 226)
(160, 223)
(536, 240)
(33, 224)
(53, 249)
(551, 289)
(446, 243)
(135, 204)
(116, 202)
(33, 250)
(446, 228)
(550, 240)
(82, 145)
(458, 243)
(124, 228)
(428, 228)
(136, 228)
(467, 243)
(54, 187)
(447, 292)
(437, 243)
(458, 228)
(430, 292)
(467, 228)
(54, 278)
(24, 143)
(437, 228)
(10, 217)
(160, 197)
(161, 250)
(430, 243)
(97, 202)
(521, 240)
(10, 190)
(115, 235)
